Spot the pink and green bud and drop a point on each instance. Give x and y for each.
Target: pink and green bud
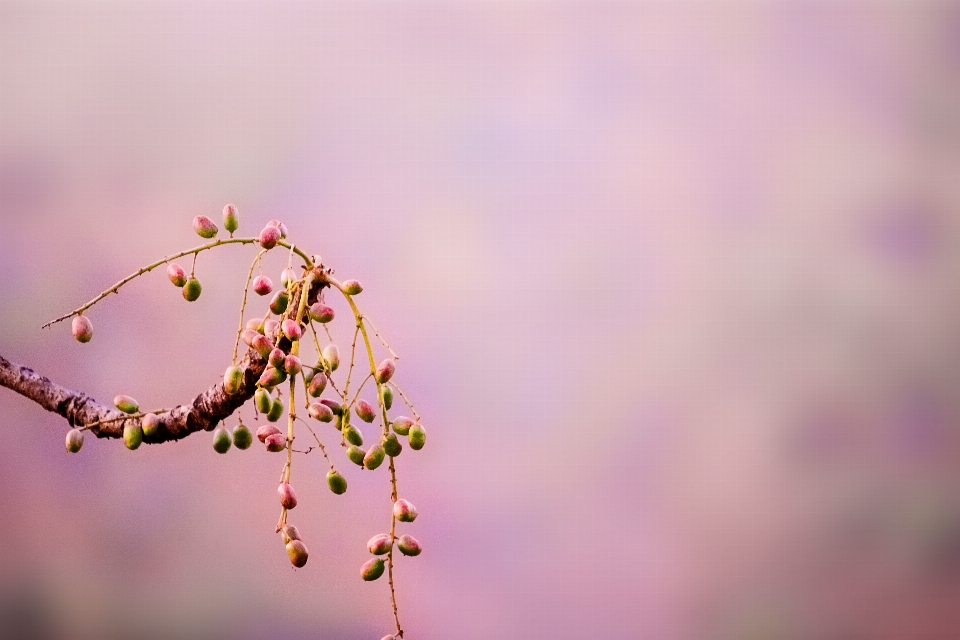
(417, 437)
(374, 457)
(287, 277)
(233, 380)
(297, 552)
(204, 227)
(379, 544)
(409, 546)
(74, 440)
(276, 410)
(248, 336)
(231, 220)
(336, 482)
(402, 424)
(291, 329)
(392, 445)
(372, 569)
(404, 511)
(335, 406)
(277, 358)
(276, 443)
(288, 499)
(255, 324)
(192, 290)
(176, 274)
(280, 227)
(289, 532)
(364, 411)
(132, 436)
(386, 397)
(272, 376)
(320, 412)
(317, 384)
(126, 404)
(292, 365)
(385, 370)
(262, 285)
(279, 303)
(262, 345)
(266, 431)
(320, 312)
(352, 287)
(356, 455)
(82, 328)
(353, 435)
(331, 356)
(242, 438)
(221, 440)
(263, 401)
(269, 237)
(271, 329)
(150, 425)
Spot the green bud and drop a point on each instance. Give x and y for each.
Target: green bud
(279, 303)
(272, 376)
(288, 499)
(320, 412)
(385, 370)
(372, 569)
(352, 287)
(204, 227)
(82, 328)
(401, 425)
(297, 552)
(176, 274)
(374, 457)
(356, 455)
(337, 483)
(126, 404)
(230, 218)
(276, 410)
(331, 356)
(417, 437)
(150, 424)
(267, 430)
(276, 443)
(132, 436)
(364, 411)
(317, 384)
(263, 401)
(409, 546)
(386, 396)
(321, 313)
(404, 511)
(242, 438)
(379, 544)
(221, 440)
(191, 290)
(233, 380)
(74, 440)
(289, 532)
(392, 445)
(353, 435)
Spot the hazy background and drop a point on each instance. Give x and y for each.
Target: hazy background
(675, 288)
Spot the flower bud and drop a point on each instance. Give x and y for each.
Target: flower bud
(262, 285)
(291, 364)
(386, 396)
(242, 438)
(82, 328)
(374, 457)
(233, 380)
(204, 227)
(320, 312)
(401, 425)
(276, 358)
(221, 440)
(280, 227)
(74, 440)
(263, 401)
(297, 552)
(176, 274)
(150, 425)
(230, 218)
(351, 287)
(255, 324)
(288, 499)
(291, 329)
(409, 546)
(276, 410)
(288, 277)
(267, 430)
(331, 357)
(191, 290)
(336, 482)
(417, 437)
(317, 384)
(276, 443)
(333, 404)
(364, 411)
(132, 436)
(126, 404)
(269, 237)
(353, 435)
(385, 370)
(356, 455)
(289, 532)
(271, 329)
(271, 376)
(372, 569)
(279, 303)
(320, 412)
(262, 345)
(404, 511)
(248, 336)
(379, 544)
(392, 445)
(308, 373)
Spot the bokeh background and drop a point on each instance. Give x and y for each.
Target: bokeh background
(675, 287)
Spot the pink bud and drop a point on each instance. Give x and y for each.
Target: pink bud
(82, 328)
(379, 544)
(291, 364)
(256, 324)
(262, 345)
(320, 412)
(291, 329)
(262, 285)
(276, 442)
(276, 358)
(176, 274)
(279, 225)
(385, 370)
(409, 546)
(352, 287)
(364, 411)
(204, 227)
(248, 336)
(372, 569)
(288, 499)
(404, 511)
(269, 237)
(266, 431)
(230, 218)
(321, 313)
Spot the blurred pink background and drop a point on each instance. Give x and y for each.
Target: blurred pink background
(676, 288)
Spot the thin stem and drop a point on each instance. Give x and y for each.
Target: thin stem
(323, 449)
(125, 416)
(406, 400)
(381, 338)
(243, 305)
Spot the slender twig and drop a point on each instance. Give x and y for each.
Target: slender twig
(243, 305)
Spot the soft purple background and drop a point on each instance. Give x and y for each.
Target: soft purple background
(675, 288)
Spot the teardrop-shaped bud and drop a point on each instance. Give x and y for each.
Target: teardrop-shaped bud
(221, 440)
(288, 277)
(404, 511)
(262, 285)
(269, 237)
(333, 404)
(150, 425)
(233, 380)
(353, 435)
(279, 303)
(132, 436)
(331, 356)
(204, 227)
(276, 443)
(191, 290)
(262, 345)
(356, 455)
(374, 457)
(417, 437)
(385, 370)
(320, 312)
(231, 220)
(280, 226)
(317, 384)
(242, 438)
(297, 552)
(176, 274)
(82, 328)
(291, 329)
(288, 499)
(352, 287)
(276, 410)
(402, 424)
(386, 396)
(289, 532)
(291, 364)
(320, 412)
(409, 546)
(263, 401)
(248, 336)
(271, 329)
(267, 430)
(271, 376)
(74, 440)
(336, 482)
(364, 411)
(126, 404)
(379, 544)
(392, 445)
(276, 358)
(372, 569)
